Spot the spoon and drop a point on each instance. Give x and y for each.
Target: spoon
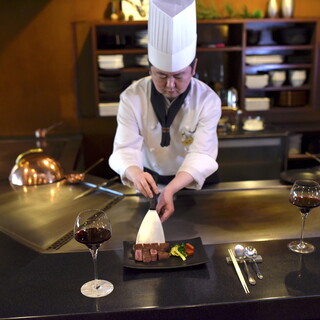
(239, 251)
(79, 177)
(251, 253)
(42, 132)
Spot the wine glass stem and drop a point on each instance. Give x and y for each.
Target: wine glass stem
(94, 253)
(303, 221)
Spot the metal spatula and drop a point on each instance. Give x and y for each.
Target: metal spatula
(151, 230)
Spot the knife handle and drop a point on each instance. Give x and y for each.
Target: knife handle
(153, 201)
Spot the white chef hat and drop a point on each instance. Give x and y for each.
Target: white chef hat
(172, 34)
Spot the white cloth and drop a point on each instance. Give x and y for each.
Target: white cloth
(138, 136)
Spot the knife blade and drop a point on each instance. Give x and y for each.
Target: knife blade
(93, 189)
(151, 229)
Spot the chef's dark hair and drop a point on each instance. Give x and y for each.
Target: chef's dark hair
(190, 65)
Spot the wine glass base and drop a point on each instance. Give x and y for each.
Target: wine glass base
(301, 247)
(97, 288)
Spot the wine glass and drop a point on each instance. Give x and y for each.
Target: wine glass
(304, 194)
(92, 227)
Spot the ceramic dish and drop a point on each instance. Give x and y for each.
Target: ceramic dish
(255, 81)
(257, 104)
(264, 59)
(277, 77)
(199, 257)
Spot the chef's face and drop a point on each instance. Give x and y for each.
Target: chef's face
(172, 84)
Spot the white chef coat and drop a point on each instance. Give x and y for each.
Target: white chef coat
(194, 143)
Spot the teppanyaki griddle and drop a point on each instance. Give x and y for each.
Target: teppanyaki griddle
(290, 176)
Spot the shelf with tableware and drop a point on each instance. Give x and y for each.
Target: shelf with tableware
(120, 53)
(269, 64)
(280, 66)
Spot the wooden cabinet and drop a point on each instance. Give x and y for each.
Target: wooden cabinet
(109, 56)
(294, 42)
(224, 46)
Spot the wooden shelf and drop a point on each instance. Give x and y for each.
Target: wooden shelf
(94, 38)
(121, 51)
(278, 47)
(267, 67)
(213, 49)
(124, 70)
(282, 88)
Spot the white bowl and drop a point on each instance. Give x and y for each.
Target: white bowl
(297, 82)
(297, 74)
(297, 77)
(142, 60)
(277, 83)
(254, 81)
(277, 77)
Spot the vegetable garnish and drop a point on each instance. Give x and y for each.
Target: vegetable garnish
(182, 250)
(189, 249)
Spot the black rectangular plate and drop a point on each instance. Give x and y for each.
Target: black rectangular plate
(199, 257)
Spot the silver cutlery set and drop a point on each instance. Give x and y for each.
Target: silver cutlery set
(247, 256)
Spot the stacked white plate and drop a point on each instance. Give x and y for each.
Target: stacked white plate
(257, 104)
(110, 62)
(264, 59)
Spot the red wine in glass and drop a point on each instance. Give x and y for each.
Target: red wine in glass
(93, 237)
(92, 228)
(305, 203)
(305, 194)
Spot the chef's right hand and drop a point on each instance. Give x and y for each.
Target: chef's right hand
(143, 181)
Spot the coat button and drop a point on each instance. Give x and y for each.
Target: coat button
(153, 127)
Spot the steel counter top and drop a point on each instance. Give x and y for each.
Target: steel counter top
(39, 281)
(42, 217)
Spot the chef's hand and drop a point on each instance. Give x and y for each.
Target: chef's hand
(165, 206)
(143, 181)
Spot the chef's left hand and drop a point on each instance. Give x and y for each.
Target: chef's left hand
(165, 206)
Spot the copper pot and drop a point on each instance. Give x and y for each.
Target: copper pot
(33, 167)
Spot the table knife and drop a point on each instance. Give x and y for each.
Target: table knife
(93, 189)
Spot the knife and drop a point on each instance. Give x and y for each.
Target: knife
(93, 189)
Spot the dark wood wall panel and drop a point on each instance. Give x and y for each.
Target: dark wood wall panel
(37, 85)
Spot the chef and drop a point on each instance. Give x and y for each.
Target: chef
(167, 121)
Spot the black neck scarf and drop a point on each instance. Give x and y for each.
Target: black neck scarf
(166, 119)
